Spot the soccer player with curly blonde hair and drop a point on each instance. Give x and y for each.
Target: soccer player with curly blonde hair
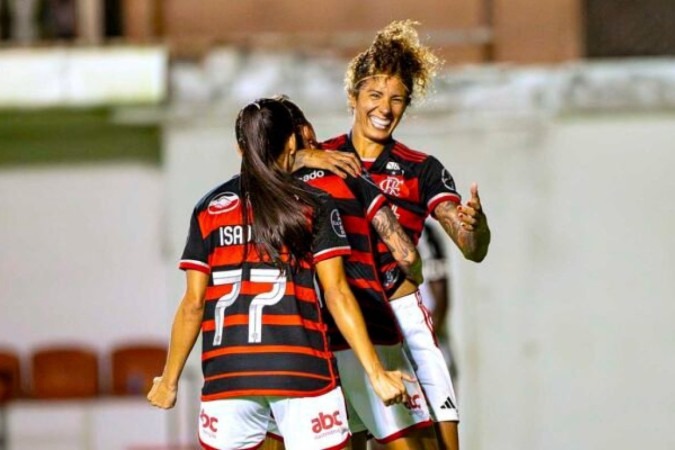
(381, 82)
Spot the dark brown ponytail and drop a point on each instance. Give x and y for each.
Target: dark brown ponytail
(280, 207)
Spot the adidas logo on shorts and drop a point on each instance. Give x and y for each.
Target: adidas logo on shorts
(448, 404)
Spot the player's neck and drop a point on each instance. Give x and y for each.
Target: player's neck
(366, 148)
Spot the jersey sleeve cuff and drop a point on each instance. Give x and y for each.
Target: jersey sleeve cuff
(331, 253)
(443, 197)
(191, 264)
(375, 206)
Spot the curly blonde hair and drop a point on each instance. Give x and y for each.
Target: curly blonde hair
(396, 51)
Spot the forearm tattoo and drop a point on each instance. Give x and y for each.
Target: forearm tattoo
(398, 241)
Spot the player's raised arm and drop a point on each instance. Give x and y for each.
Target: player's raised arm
(466, 225)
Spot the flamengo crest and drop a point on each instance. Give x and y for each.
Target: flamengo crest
(391, 186)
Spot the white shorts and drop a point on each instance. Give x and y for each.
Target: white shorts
(312, 423)
(443, 341)
(366, 410)
(430, 367)
(428, 299)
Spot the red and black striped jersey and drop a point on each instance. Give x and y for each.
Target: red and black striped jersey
(358, 200)
(415, 183)
(263, 331)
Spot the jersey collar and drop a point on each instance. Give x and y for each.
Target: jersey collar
(380, 162)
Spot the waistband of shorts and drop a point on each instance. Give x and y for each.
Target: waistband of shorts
(410, 299)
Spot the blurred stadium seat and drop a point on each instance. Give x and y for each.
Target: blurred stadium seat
(10, 375)
(134, 366)
(64, 373)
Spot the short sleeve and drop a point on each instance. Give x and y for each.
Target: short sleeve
(195, 254)
(437, 185)
(329, 237)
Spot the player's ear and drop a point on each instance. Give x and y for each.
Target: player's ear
(309, 136)
(291, 148)
(351, 99)
(292, 144)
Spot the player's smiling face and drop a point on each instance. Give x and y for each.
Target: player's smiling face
(378, 107)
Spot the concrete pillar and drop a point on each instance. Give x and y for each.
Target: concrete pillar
(24, 24)
(90, 20)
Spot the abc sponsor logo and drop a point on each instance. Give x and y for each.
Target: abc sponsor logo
(209, 424)
(414, 402)
(415, 405)
(327, 423)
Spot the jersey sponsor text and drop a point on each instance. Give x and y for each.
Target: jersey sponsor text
(325, 422)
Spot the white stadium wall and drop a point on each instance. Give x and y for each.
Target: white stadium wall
(82, 258)
(563, 331)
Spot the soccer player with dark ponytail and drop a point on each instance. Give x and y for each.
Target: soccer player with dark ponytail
(254, 246)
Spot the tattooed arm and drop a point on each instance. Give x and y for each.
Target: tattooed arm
(400, 244)
(466, 225)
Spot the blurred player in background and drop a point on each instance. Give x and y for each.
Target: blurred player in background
(254, 247)
(381, 83)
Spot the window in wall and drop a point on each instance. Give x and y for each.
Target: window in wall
(58, 19)
(5, 20)
(113, 25)
(630, 28)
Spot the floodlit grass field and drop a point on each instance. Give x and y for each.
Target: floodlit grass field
(57, 136)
